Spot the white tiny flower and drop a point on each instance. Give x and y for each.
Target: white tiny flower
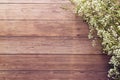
(119, 27)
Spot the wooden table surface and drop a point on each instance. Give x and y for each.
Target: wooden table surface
(41, 41)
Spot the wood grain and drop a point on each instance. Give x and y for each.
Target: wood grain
(36, 12)
(52, 75)
(47, 45)
(54, 62)
(39, 40)
(33, 1)
(43, 28)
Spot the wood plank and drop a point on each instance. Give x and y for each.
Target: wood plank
(54, 62)
(52, 75)
(34, 1)
(47, 45)
(43, 28)
(36, 12)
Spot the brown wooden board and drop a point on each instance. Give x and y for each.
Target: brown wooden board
(54, 62)
(36, 12)
(52, 75)
(43, 28)
(47, 45)
(33, 1)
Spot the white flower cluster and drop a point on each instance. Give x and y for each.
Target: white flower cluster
(103, 17)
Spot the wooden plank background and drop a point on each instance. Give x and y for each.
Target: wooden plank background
(41, 41)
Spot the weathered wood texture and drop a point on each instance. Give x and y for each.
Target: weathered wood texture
(36, 12)
(41, 41)
(54, 62)
(34, 1)
(52, 75)
(43, 28)
(47, 45)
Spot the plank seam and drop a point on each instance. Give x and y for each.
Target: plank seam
(39, 20)
(57, 37)
(35, 3)
(20, 54)
(54, 70)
